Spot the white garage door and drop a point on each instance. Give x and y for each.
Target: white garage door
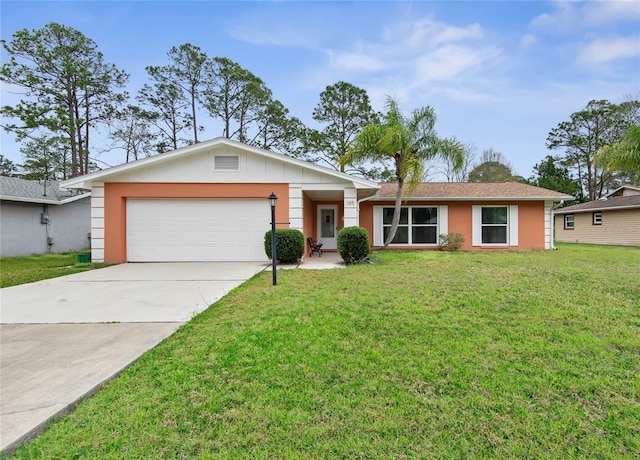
(194, 230)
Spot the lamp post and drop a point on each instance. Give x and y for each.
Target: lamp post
(272, 201)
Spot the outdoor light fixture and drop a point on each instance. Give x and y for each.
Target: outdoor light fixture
(272, 201)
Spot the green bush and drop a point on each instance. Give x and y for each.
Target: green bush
(289, 244)
(451, 241)
(353, 244)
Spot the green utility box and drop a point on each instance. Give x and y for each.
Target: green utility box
(84, 258)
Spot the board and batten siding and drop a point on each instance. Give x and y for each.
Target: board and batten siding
(619, 227)
(201, 168)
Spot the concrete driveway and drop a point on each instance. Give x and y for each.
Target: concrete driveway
(62, 338)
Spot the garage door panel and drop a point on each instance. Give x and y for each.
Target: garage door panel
(166, 230)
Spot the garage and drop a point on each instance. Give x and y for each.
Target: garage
(194, 230)
(209, 202)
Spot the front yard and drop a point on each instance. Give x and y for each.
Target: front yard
(21, 270)
(422, 355)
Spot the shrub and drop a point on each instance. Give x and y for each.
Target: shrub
(353, 244)
(451, 241)
(289, 244)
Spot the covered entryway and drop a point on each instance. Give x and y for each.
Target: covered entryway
(196, 230)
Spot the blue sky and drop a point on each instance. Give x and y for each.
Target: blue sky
(499, 74)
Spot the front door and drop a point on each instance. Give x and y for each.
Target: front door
(328, 226)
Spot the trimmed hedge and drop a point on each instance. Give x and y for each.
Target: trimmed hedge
(353, 244)
(289, 244)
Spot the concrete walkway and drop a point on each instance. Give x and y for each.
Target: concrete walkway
(61, 339)
(329, 260)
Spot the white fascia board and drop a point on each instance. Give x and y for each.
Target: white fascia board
(85, 182)
(321, 187)
(578, 211)
(75, 198)
(21, 199)
(77, 183)
(471, 198)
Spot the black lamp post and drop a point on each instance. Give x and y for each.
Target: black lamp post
(272, 201)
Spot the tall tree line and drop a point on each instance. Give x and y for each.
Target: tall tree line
(68, 93)
(168, 108)
(589, 131)
(69, 90)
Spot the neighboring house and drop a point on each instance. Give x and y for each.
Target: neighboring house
(37, 217)
(208, 202)
(614, 219)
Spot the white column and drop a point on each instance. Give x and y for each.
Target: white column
(350, 216)
(97, 222)
(548, 224)
(295, 207)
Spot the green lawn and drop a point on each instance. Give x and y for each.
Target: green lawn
(422, 355)
(21, 270)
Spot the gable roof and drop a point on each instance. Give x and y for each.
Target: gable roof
(609, 204)
(33, 191)
(466, 191)
(625, 190)
(84, 182)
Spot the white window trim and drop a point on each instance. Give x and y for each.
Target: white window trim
(595, 221)
(512, 225)
(441, 227)
(564, 222)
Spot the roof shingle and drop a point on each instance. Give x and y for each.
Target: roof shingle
(468, 190)
(632, 201)
(28, 190)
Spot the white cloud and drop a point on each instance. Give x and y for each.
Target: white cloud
(609, 49)
(601, 12)
(528, 40)
(418, 52)
(281, 31)
(278, 37)
(467, 95)
(355, 61)
(433, 33)
(451, 61)
(568, 16)
(562, 20)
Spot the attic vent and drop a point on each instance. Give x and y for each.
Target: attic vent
(226, 163)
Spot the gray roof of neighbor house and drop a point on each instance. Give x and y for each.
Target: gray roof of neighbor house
(625, 190)
(610, 204)
(33, 191)
(471, 191)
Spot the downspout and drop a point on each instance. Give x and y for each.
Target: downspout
(553, 224)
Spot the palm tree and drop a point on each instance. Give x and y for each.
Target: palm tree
(624, 154)
(409, 142)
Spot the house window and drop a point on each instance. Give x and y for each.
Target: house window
(226, 163)
(418, 225)
(597, 218)
(568, 222)
(494, 224)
